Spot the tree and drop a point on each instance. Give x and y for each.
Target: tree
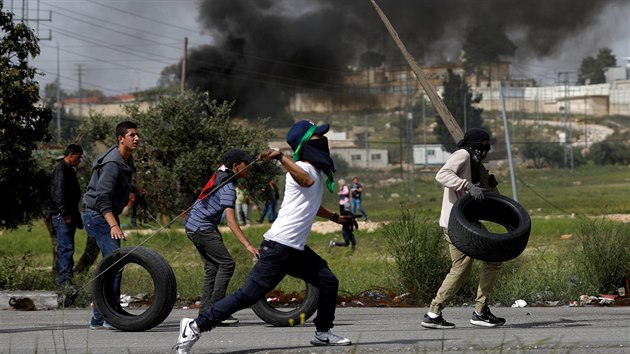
(24, 124)
(182, 141)
(592, 69)
(459, 100)
(483, 45)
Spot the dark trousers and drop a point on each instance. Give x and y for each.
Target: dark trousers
(218, 265)
(276, 261)
(65, 248)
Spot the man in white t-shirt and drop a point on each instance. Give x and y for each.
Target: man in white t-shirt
(283, 250)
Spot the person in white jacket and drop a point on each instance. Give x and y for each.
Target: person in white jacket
(461, 174)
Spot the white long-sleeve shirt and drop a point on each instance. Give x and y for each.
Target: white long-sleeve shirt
(454, 176)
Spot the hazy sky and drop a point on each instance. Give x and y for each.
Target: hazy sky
(122, 45)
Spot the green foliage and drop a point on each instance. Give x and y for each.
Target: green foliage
(419, 249)
(182, 141)
(609, 153)
(458, 99)
(23, 125)
(592, 70)
(550, 155)
(536, 278)
(17, 272)
(603, 255)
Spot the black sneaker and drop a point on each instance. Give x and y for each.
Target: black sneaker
(486, 319)
(436, 323)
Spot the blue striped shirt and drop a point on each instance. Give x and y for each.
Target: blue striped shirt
(206, 213)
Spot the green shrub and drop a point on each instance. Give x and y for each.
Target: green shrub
(602, 255)
(419, 250)
(536, 279)
(19, 273)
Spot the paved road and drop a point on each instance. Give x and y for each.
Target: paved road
(373, 330)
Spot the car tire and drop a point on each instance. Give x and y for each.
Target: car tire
(471, 238)
(283, 318)
(164, 283)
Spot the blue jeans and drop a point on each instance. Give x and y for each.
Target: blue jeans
(65, 248)
(356, 204)
(218, 265)
(276, 261)
(269, 210)
(97, 227)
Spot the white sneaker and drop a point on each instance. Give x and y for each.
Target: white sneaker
(187, 336)
(328, 338)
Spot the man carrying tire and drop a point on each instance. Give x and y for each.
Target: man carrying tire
(462, 174)
(283, 249)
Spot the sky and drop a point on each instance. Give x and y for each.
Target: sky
(120, 46)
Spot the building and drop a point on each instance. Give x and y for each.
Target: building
(429, 154)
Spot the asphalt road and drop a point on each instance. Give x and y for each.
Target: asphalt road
(372, 330)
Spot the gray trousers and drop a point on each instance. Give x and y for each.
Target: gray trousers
(218, 265)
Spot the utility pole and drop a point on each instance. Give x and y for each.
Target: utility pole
(58, 98)
(80, 93)
(25, 18)
(568, 148)
(184, 64)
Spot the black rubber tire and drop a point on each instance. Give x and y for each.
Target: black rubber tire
(164, 283)
(472, 239)
(298, 315)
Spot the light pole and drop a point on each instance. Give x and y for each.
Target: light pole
(58, 98)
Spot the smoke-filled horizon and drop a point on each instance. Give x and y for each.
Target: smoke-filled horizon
(264, 49)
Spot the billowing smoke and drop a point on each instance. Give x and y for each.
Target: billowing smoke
(267, 49)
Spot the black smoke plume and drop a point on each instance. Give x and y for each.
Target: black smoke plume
(266, 50)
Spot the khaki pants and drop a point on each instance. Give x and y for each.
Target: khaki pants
(461, 267)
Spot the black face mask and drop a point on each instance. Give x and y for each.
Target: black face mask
(480, 151)
(317, 153)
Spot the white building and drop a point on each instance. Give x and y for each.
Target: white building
(429, 154)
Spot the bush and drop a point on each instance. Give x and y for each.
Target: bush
(609, 153)
(536, 279)
(18, 273)
(420, 253)
(603, 255)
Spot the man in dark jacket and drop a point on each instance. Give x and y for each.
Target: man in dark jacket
(65, 194)
(107, 195)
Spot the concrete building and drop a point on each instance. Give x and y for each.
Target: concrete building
(429, 154)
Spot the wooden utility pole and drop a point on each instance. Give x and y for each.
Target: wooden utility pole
(184, 63)
(451, 124)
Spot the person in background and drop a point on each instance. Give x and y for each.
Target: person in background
(460, 174)
(242, 206)
(357, 191)
(344, 196)
(65, 194)
(283, 249)
(218, 198)
(270, 195)
(106, 196)
(347, 233)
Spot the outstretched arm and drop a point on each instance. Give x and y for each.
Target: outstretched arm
(299, 175)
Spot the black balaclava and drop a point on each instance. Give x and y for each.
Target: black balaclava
(472, 142)
(316, 152)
